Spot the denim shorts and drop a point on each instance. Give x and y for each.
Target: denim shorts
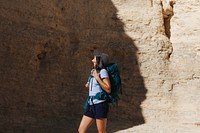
(97, 111)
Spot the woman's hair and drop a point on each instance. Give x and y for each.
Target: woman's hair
(102, 60)
(98, 58)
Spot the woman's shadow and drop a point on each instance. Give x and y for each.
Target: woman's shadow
(102, 30)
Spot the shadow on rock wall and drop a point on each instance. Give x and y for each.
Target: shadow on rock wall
(46, 57)
(105, 32)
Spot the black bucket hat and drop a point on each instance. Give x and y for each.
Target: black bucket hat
(102, 59)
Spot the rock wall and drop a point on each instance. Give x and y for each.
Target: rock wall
(172, 103)
(46, 51)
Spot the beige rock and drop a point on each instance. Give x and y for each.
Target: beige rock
(168, 5)
(175, 109)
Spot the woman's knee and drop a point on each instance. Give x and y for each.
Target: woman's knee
(101, 131)
(101, 125)
(81, 130)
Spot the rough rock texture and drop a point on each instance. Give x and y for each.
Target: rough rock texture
(46, 51)
(168, 12)
(173, 105)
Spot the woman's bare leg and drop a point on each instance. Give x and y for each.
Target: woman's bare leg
(101, 125)
(86, 122)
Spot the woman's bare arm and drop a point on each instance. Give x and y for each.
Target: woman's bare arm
(105, 83)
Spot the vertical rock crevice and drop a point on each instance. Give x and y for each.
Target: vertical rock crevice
(168, 12)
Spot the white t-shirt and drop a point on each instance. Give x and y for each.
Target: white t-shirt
(94, 86)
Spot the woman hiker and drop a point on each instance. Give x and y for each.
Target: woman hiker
(96, 110)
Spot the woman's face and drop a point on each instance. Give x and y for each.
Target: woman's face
(94, 61)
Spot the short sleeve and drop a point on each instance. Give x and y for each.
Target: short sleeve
(104, 74)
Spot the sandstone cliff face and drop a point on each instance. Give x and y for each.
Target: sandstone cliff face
(172, 103)
(46, 51)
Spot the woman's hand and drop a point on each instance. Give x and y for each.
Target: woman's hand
(87, 84)
(96, 74)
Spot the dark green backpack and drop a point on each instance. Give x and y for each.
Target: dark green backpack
(115, 80)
